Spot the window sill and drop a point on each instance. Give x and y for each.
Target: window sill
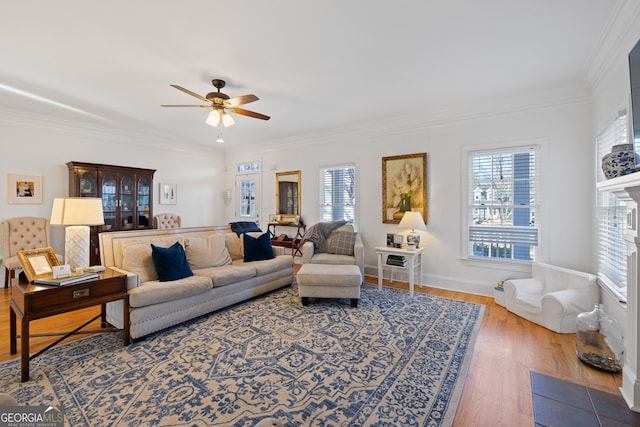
(495, 263)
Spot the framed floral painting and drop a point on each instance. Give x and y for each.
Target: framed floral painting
(24, 189)
(404, 186)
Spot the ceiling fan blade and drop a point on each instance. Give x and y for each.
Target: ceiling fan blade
(201, 106)
(249, 113)
(240, 100)
(187, 91)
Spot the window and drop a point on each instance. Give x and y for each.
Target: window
(502, 204)
(612, 216)
(338, 193)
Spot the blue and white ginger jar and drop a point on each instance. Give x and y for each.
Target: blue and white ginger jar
(620, 161)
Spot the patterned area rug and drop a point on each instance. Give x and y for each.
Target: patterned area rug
(393, 361)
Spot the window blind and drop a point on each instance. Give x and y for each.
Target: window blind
(337, 193)
(502, 204)
(612, 253)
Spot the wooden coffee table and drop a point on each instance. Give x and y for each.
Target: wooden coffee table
(31, 302)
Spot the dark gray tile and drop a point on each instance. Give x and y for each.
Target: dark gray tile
(608, 422)
(614, 407)
(551, 413)
(562, 391)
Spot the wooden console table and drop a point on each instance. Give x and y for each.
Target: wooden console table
(293, 243)
(31, 302)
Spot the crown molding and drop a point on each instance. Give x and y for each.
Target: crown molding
(146, 137)
(618, 39)
(428, 119)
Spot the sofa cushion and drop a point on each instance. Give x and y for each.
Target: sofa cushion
(170, 263)
(278, 263)
(342, 242)
(208, 251)
(257, 249)
(226, 274)
(136, 256)
(240, 227)
(156, 292)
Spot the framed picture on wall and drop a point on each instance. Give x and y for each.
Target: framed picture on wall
(404, 186)
(168, 194)
(24, 189)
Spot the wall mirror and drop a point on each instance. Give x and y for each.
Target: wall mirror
(288, 193)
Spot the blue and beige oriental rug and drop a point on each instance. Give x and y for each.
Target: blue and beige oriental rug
(393, 361)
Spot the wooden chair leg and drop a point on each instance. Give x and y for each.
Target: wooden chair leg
(6, 277)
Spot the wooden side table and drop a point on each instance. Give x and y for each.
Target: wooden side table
(414, 261)
(30, 302)
(293, 243)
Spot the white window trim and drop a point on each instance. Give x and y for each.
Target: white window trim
(356, 212)
(496, 263)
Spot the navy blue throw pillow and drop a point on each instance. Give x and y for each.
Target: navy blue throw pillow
(170, 263)
(257, 249)
(240, 227)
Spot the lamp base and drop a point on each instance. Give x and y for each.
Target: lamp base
(414, 238)
(77, 241)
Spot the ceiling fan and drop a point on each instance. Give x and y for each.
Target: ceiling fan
(221, 104)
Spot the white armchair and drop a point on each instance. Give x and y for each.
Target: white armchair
(324, 255)
(553, 297)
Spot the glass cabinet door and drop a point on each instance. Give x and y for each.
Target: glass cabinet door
(88, 185)
(109, 201)
(144, 202)
(127, 202)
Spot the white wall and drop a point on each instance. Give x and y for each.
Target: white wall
(35, 149)
(567, 183)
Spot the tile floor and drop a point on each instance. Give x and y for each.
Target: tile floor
(559, 403)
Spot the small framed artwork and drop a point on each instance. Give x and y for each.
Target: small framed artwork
(398, 240)
(38, 263)
(290, 219)
(390, 239)
(274, 218)
(24, 189)
(168, 194)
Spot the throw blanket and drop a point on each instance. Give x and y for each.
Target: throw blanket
(319, 232)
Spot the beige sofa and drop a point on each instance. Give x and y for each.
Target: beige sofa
(220, 276)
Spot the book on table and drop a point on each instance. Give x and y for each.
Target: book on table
(74, 278)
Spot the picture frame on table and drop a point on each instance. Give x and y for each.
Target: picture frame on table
(24, 189)
(38, 263)
(404, 186)
(274, 218)
(168, 194)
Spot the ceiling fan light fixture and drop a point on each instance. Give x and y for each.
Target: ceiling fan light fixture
(213, 118)
(227, 120)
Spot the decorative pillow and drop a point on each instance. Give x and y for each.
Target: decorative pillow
(240, 227)
(208, 251)
(256, 249)
(342, 242)
(170, 263)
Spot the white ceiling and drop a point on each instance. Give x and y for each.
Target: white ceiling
(314, 64)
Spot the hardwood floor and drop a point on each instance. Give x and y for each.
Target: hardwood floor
(497, 391)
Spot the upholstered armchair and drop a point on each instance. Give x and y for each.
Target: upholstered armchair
(553, 297)
(336, 249)
(19, 234)
(166, 220)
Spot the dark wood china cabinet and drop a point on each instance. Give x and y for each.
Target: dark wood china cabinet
(126, 193)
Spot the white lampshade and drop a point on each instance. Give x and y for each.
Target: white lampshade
(412, 220)
(213, 118)
(77, 213)
(227, 120)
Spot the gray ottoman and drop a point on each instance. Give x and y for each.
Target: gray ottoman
(329, 281)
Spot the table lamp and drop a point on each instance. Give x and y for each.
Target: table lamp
(77, 213)
(413, 220)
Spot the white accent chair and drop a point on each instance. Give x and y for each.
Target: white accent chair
(322, 255)
(166, 220)
(553, 297)
(22, 233)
